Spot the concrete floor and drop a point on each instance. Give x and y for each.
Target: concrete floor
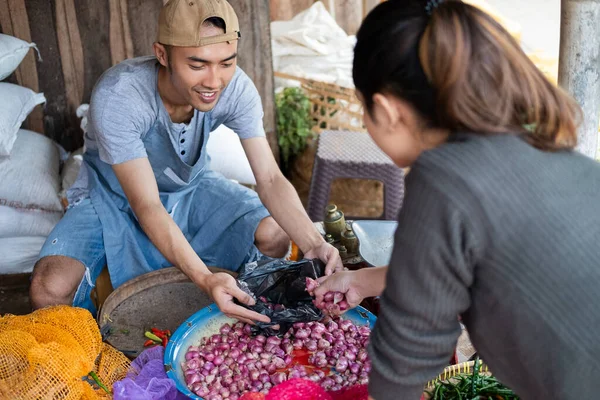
(14, 299)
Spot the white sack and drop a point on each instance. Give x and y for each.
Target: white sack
(18, 255)
(12, 52)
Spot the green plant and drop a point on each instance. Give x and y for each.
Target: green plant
(294, 122)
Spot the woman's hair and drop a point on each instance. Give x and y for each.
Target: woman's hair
(461, 71)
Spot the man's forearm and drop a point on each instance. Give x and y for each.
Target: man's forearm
(280, 198)
(170, 241)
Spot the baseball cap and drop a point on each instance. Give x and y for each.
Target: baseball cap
(179, 22)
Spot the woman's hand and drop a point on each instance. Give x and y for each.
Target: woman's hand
(346, 282)
(223, 288)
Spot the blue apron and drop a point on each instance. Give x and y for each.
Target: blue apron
(217, 217)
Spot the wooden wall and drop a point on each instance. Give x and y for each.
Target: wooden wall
(80, 39)
(348, 13)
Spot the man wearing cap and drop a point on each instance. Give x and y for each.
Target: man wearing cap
(146, 198)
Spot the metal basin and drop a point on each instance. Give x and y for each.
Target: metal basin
(375, 240)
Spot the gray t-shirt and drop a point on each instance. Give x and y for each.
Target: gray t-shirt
(507, 236)
(125, 105)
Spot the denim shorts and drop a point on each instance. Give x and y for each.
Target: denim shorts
(79, 235)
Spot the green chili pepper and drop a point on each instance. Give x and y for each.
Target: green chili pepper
(152, 336)
(99, 382)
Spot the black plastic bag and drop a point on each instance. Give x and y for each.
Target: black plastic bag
(283, 285)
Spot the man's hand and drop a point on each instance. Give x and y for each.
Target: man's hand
(329, 255)
(346, 282)
(223, 288)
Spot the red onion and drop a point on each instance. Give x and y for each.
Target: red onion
(279, 362)
(189, 372)
(279, 353)
(209, 366)
(247, 329)
(201, 389)
(223, 347)
(350, 355)
(278, 378)
(273, 340)
(298, 325)
(302, 333)
(342, 364)
(311, 345)
(234, 396)
(228, 381)
(345, 324)
(328, 297)
(256, 349)
(261, 339)
(298, 344)
(343, 305)
(311, 285)
(367, 366)
(332, 326)
(257, 385)
(288, 359)
(287, 348)
(191, 354)
(209, 379)
(191, 379)
(192, 364)
(354, 368)
(321, 362)
(337, 297)
(271, 368)
(218, 360)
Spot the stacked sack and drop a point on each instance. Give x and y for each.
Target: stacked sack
(29, 170)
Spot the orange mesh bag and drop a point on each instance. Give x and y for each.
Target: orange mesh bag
(50, 353)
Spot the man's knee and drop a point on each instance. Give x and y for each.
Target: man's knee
(271, 239)
(54, 281)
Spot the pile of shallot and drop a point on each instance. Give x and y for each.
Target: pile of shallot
(231, 363)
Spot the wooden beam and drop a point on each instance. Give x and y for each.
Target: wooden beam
(283, 10)
(15, 22)
(255, 58)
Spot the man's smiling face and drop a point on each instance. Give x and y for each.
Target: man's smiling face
(199, 74)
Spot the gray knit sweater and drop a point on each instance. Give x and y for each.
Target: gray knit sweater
(508, 237)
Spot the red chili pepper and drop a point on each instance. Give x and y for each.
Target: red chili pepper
(159, 333)
(168, 332)
(149, 343)
(164, 341)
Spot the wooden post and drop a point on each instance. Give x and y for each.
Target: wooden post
(579, 67)
(256, 59)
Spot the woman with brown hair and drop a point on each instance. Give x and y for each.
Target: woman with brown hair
(501, 219)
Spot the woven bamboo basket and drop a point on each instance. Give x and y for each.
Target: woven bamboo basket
(454, 370)
(335, 108)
